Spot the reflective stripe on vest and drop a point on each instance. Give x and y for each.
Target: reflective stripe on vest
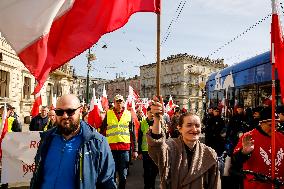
(118, 131)
(144, 129)
(46, 126)
(10, 123)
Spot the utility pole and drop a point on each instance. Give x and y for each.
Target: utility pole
(88, 75)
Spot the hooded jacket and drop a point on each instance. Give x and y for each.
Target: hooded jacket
(94, 166)
(175, 170)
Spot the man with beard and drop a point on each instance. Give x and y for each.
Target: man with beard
(72, 155)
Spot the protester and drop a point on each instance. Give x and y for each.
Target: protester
(73, 154)
(13, 124)
(39, 122)
(174, 133)
(215, 132)
(280, 112)
(237, 126)
(119, 131)
(256, 117)
(51, 120)
(253, 152)
(183, 162)
(150, 168)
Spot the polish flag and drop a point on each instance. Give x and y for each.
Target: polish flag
(36, 105)
(48, 33)
(4, 127)
(104, 100)
(94, 118)
(277, 47)
(133, 94)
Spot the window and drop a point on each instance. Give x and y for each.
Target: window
(49, 94)
(27, 88)
(4, 83)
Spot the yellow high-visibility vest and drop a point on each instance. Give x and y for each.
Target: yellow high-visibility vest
(10, 123)
(144, 129)
(118, 131)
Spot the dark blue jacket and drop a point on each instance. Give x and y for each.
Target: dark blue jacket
(94, 167)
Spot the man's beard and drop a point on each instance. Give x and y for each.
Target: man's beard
(67, 130)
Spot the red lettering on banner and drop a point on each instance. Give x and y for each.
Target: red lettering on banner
(29, 168)
(34, 144)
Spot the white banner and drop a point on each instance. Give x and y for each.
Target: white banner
(18, 152)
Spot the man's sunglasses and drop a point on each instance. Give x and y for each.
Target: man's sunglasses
(69, 112)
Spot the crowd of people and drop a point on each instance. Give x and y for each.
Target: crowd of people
(75, 154)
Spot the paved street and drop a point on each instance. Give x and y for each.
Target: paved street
(134, 180)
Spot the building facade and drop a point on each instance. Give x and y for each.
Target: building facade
(121, 85)
(80, 87)
(17, 84)
(183, 77)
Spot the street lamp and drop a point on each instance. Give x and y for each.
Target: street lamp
(90, 58)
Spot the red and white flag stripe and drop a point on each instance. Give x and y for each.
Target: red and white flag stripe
(48, 33)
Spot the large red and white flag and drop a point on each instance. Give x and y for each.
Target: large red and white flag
(36, 105)
(277, 47)
(47, 33)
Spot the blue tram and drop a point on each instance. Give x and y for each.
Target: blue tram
(247, 83)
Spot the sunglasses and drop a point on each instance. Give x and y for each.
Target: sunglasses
(69, 112)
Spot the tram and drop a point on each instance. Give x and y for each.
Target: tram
(247, 83)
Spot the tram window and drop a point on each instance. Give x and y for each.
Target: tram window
(248, 94)
(264, 94)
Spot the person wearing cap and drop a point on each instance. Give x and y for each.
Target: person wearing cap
(119, 130)
(253, 123)
(13, 124)
(253, 152)
(39, 122)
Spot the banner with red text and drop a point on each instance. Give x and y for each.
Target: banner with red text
(18, 152)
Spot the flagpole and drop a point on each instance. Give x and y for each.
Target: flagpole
(88, 75)
(273, 94)
(158, 71)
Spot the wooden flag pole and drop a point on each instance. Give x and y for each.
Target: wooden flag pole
(158, 71)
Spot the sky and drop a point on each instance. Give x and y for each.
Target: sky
(202, 27)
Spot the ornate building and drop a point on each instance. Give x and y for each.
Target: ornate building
(80, 84)
(183, 76)
(121, 86)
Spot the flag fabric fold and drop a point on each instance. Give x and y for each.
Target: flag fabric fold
(277, 53)
(94, 118)
(48, 33)
(104, 100)
(36, 105)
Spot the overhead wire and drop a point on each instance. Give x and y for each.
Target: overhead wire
(175, 19)
(240, 35)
